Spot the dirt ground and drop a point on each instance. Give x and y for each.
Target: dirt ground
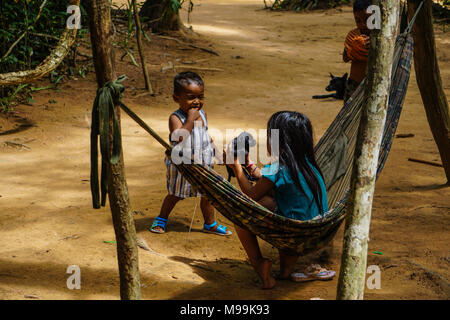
(270, 61)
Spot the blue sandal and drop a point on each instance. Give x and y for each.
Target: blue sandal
(220, 230)
(159, 222)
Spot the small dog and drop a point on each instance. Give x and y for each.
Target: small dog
(336, 84)
(245, 140)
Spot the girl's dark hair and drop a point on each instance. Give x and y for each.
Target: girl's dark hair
(183, 78)
(361, 5)
(295, 146)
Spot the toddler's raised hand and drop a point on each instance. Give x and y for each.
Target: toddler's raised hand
(194, 113)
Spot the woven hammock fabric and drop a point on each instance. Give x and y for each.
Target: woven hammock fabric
(301, 237)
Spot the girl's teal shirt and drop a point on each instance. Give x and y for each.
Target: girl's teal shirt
(291, 202)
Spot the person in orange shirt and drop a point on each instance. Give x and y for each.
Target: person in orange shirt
(357, 47)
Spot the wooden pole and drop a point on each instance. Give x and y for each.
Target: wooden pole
(356, 235)
(148, 85)
(429, 80)
(122, 216)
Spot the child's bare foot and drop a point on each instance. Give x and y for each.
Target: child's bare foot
(283, 275)
(263, 270)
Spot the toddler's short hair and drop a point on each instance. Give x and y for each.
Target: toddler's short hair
(361, 5)
(186, 77)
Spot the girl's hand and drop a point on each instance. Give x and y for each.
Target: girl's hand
(231, 165)
(247, 160)
(236, 165)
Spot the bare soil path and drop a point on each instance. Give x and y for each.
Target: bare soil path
(270, 61)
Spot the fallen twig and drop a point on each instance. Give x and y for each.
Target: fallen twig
(187, 44)
(74, 236)
(429, 206)
(16, 145)
(194, 62)
(165, 68)
(143, 244)
(144, 94)
(197, 68)
(84, 55)
(405, 135)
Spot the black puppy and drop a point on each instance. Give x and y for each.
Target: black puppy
(336, 84)
(243, 142)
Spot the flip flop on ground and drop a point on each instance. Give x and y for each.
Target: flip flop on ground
(314, 272)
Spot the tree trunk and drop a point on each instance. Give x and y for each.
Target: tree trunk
(148, 85)
(160, 16)
(356, 234)
(127, 252)
(429, 80)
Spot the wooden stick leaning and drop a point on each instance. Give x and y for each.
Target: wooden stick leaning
(148, 85)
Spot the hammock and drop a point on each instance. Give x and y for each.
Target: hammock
(334, 152)
(338, 143)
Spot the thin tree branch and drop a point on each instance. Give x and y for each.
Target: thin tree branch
(25, 32)
(49, 64)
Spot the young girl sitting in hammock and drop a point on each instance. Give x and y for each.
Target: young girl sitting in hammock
(296, 182)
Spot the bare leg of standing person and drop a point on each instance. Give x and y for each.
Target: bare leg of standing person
(287, 264)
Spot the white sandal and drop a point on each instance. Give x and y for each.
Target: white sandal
(316, 272)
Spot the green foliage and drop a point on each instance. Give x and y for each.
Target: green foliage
(26, 41)
(126, 43)
(176, 5)
(6, 102)
(19, 16)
